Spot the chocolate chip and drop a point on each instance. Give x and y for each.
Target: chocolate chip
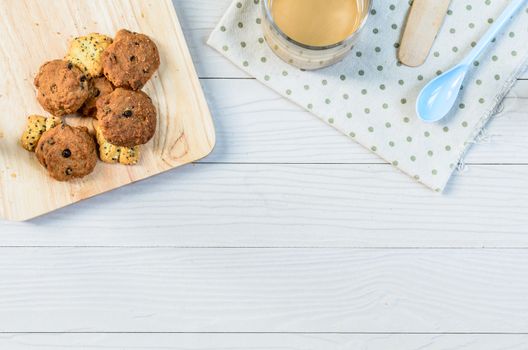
(127, 113)
(132, 58)
(68, 171)
(83, 79)
(53, 88)
(66, 153)
(145, 70)
(97, 93)
(70, 65)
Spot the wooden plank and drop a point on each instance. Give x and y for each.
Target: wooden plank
(206, 341)
(294, 205)
(185, 132)
(263, 290)
(256, 125)
(199, 17)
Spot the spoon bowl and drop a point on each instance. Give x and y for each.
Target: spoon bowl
(440, 94)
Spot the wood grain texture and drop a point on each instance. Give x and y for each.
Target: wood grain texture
(256, 125)
(423, 23)
(287, 205)
(207, 341)
(263, 290)
(185, 131)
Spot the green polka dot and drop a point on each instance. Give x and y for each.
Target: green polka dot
(223, 29)
(427, 134)
(263, 59)
(395, 163)
(385, 106)
(391, 143)
(430, 153)
(267, 77)
(394, 26)
(361, 72)
(481, 100)
(434, 172)
(401, 82)
(367, 110)
(420, 77)
(243, 43)
(382, 87)
(464, 124)
(261, 40)
(380, 68)
(479, 82)
(258, 21)
(324, 82)
(352, 134)
(445, 128)
(448, 148)
(349, 115)
(342, 77)
(371, 129)
(403, 101)
(377, 49)
(406, 120)
(412, 158)
(310, 106)
(225, 48)
(328, 101)
(497, 77)
(468, 7)
(494, 58)
(345, 96)
(364, 92)
(511, 34)
(239, 5)
(331, 120)
(306, 87)
(245, 63)
(461, 106)
(288, 92)
(359, 54)
(240, 25)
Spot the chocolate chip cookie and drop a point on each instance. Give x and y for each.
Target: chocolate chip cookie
(67, 152)
(127, 118)
(130, 60)
(100, 87)
(61, 87)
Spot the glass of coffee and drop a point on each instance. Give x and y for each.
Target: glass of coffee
(312, 34)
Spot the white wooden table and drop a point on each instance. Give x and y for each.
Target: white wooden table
(277, 241)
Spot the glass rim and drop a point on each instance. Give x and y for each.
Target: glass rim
(269, 16)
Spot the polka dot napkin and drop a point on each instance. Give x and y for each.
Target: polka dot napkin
(370, 96)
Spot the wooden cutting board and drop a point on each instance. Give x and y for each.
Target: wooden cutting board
(35, 31)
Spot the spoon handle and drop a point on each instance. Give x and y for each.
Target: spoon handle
(508, 13)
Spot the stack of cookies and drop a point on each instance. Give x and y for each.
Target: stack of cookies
(99, 78)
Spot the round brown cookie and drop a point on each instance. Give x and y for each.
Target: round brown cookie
(99, 88)
(130, 60)
(61, 87)
(127, 118)
(67, 152)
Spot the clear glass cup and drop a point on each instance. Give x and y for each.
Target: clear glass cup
(304, 56)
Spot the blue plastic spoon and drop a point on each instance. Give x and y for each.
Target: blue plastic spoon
(438, 97)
